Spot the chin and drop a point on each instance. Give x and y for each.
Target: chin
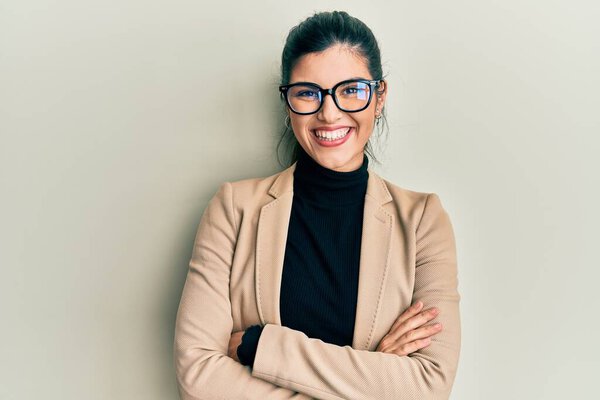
(334, 162)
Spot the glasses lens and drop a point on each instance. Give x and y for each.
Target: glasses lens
(304, 98)
(352, 96)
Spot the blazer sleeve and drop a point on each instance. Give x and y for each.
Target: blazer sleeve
(204, 323)
(290, 359)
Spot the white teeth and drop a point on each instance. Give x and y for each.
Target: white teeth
(332, 135)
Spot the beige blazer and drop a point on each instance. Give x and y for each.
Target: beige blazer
(407, 254)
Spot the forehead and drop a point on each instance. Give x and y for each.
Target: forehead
(328, 67)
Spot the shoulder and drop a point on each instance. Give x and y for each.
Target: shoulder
(250, 194)
(404, 193)
(251, 187)
(411, 204)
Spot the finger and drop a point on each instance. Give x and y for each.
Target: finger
(411, 347)
(408, 348)
(422, 318)
(419, 333)
(400, 325)
(388, 344)
(414, 322)
(409, 312)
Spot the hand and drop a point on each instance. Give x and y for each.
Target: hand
(405, 336)
(234, 342)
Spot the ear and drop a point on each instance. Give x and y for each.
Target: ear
(288, 118)
(380, 95)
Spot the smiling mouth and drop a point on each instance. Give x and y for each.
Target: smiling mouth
(332, 135)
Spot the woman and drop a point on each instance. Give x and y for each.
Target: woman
(300, 284)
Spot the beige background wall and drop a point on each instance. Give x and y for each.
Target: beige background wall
(119, 119)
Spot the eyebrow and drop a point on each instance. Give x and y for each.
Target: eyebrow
(347, 79)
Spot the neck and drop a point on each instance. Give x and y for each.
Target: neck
(326, 187)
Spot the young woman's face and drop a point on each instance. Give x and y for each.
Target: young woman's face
(327, 68)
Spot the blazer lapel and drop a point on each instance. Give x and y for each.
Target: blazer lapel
(273, 223)
(271, 238)
(376, 236)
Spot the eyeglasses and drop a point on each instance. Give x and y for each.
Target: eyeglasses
(351, 95)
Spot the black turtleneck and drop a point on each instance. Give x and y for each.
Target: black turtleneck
(319, 284)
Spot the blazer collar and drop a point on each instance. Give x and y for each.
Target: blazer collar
(378, 225)
(376, 188)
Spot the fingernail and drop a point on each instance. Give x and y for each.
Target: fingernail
(418, 304)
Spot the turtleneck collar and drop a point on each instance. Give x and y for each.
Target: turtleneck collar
(323, 186)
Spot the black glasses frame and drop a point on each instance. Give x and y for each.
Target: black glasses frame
(283, 89)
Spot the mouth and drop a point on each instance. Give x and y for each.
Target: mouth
(332, 136)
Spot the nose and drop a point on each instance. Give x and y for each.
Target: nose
(329, 111)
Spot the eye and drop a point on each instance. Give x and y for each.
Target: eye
(307, 93)
(353, 90)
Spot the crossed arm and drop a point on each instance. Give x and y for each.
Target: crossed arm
(290, 365)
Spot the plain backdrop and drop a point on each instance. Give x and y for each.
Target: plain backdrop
(119, 119)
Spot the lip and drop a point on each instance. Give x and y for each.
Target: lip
(333, 143)
(330, 127)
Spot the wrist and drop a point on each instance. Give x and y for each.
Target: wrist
(246, 351)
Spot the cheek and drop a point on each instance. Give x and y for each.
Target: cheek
(299, 124)
(366, 126)
(366, 123)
